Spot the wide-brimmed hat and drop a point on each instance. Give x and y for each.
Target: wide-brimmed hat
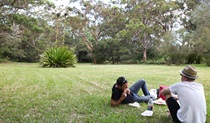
(189, 72)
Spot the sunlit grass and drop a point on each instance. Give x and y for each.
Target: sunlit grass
(29, 93)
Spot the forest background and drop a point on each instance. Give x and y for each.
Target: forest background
(120, 31)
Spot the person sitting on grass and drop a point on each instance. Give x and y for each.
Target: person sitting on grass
(121, 94)
(192, 107)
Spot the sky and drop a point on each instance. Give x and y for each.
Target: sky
(66, 2)
(60, 2)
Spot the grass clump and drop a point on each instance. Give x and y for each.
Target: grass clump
(57, 57)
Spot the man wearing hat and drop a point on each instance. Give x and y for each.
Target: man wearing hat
(192, 103)
(121, 94)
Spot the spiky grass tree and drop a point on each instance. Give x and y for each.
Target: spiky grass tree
(58, 57)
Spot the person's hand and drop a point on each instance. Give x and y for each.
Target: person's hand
(124, 95)
(127, 90)
(175, 96)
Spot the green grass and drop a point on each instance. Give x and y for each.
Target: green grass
(29, 93)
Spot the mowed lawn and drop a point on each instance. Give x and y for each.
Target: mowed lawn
(31, 94)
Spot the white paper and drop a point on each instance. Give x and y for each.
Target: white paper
(147, 113)
(160, 101)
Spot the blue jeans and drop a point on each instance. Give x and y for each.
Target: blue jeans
(140, 84)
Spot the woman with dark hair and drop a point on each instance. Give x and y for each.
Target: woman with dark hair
(121, 94)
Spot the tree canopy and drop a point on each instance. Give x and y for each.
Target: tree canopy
(123, 31)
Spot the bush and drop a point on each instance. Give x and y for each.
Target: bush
(4, 60)
(207, 59)
(193, 58)
(154, 61)
(57, 57)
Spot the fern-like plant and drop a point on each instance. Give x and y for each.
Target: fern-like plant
(57, 57)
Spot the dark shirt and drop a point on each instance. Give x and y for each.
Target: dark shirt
(116, 94)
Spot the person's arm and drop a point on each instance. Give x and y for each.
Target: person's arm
(165, 91)
(116, 103)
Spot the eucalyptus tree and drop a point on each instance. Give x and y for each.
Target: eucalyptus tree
(183, 43)
(21, 26)
(93, 22)
(181, 49)
(185, 12)
(115, 49)
(148, 21)
(200, 38)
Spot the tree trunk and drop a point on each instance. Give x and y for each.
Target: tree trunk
(145, 54)
(145, 47)
(89, 46)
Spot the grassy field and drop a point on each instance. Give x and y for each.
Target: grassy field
(32, 94)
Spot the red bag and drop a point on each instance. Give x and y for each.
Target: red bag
(160, 89)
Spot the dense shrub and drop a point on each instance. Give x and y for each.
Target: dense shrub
(207, 58)
(57, 57)
(4, 60)
(194, 58)
(154, 61)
